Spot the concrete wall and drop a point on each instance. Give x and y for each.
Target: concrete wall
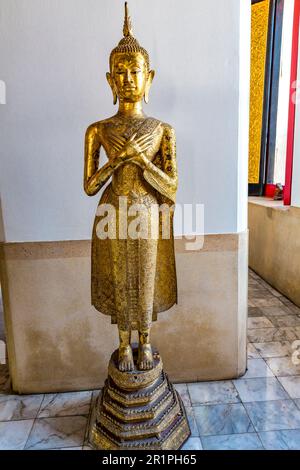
(58, 342)
(274, 245)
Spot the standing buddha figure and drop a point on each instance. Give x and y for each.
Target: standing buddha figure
(133, 277)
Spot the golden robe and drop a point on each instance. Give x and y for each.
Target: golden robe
(133, 280)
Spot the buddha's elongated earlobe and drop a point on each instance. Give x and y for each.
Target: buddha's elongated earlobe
(112, 86)
(148, 85)
(115, 96)
(146, 96)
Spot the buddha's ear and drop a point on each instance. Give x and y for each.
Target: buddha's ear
(112, 86)
(148, 85)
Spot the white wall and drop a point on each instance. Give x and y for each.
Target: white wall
(54, 55)
(243, 129)
(296, 163)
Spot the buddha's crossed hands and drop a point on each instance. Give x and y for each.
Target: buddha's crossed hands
(132, 149)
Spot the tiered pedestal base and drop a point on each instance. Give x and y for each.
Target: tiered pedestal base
(138, 410)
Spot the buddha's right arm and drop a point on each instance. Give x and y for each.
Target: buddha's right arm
(94, 178)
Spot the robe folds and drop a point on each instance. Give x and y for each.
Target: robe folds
(134, 279)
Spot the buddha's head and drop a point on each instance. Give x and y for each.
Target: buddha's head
(130, 76)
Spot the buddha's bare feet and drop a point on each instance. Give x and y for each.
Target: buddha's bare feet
(145, 357)
(125, 359)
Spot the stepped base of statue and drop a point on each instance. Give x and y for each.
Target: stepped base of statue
(138, 410)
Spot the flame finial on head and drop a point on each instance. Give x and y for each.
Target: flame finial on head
(128, 43)
(127, 29)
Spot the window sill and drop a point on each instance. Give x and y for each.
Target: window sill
(267, 202)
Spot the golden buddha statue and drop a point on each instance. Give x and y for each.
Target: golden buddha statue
(133, 278)
(133, 262)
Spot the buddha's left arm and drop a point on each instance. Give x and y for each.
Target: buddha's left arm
(162, 173)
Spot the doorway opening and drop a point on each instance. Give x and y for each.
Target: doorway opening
(274, 57)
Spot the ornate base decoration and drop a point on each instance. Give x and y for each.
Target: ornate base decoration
(138, 410)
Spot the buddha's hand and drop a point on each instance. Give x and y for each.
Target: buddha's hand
(140, 160)
(131, 150)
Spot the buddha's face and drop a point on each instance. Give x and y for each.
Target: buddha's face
(129, 77)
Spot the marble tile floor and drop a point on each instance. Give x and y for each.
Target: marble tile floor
(260, 410)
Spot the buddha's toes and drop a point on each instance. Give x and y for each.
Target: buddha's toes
(126, 359)
(145, 357)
